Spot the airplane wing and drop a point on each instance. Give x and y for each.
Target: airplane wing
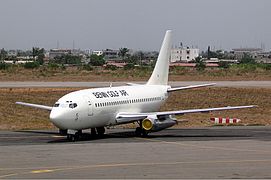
(190, 87)
(35, 105)
(131, 117)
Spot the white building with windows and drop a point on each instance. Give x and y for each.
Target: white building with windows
(98, 53)
(184, 54)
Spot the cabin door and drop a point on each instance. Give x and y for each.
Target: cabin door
(90, 105)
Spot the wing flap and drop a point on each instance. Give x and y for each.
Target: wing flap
(35, 105)
(133, 84)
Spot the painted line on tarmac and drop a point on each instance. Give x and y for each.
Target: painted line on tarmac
(54, 169)
(28, 137)
(8, 175)
(206, 147)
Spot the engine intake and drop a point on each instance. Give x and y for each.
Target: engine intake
(150, 124)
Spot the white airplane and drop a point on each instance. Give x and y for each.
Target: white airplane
(101, 107)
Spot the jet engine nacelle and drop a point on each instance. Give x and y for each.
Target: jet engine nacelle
(158, 124)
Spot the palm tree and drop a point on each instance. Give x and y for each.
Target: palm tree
(123, 52)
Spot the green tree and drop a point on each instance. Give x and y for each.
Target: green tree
(200, 64)
(96, 60)
(247, 59)
(38, 54)
(4, 66)
(35, 52)
(123, 53)
(31, 65)
(3, 54)
(129, 66)
(223, 64)
(67, 59)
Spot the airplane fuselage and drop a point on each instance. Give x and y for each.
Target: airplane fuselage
(91, 108)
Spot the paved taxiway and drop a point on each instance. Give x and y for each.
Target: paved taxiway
(217, 152)
(28, 84)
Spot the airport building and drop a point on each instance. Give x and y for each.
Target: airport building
(58, 52)
(240, 52)
(184, 54)
(98, 53)
(110, 54)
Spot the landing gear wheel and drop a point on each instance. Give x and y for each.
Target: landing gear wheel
(74, 137)
(139, 132)
(93, 132)
(100, 131)
(144, 133)
(69, 137)
(63, 131)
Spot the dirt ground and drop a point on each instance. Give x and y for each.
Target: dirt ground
(176, 74)
(18, 117)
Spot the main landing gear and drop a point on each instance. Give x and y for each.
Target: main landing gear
(74, 135)
(140, 132)
(98, 131)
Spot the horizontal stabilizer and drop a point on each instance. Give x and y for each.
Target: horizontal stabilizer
(133, 84)
(35, 105)
(190, 87)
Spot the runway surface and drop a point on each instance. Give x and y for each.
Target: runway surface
(28, 84)
(217, 152)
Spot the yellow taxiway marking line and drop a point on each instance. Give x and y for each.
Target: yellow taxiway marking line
(206, 147)
(42, 171)
(58, 136)
(54, 169)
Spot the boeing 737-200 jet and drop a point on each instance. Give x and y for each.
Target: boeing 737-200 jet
(98, 108)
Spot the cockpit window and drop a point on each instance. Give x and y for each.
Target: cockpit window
(56, 105)
(72, 105)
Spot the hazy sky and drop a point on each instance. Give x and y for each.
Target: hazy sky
(136, 24)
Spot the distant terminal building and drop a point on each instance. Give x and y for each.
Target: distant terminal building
(98, 53)
(59, 52)
(110, 54)
(12, 53)
(184, 54)
(240, 52)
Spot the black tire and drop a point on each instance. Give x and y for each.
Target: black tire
(69, 137)
(93, 132)
(100, 131)
(144, 133)
(138, 132)
(63, 131)
(73, 138)
(77, 135)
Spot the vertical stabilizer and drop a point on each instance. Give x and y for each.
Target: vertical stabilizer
(160, 73)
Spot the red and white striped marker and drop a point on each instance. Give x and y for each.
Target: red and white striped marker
(225, 120)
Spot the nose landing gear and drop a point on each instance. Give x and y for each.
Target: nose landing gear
(74, 135)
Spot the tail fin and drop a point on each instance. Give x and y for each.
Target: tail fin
(160, 73)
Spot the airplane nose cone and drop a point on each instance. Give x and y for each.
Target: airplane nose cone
(55, 116)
